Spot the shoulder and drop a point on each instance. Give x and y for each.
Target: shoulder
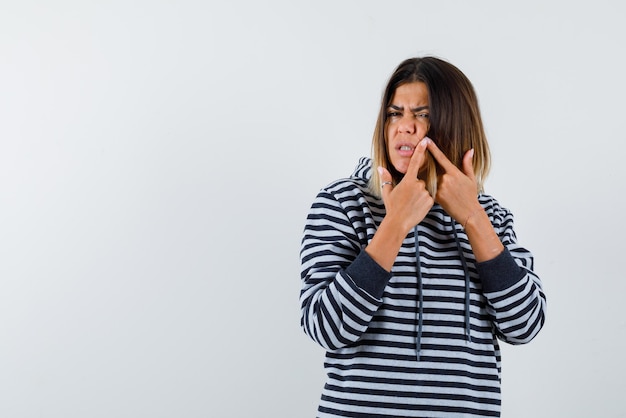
(498, 214)
(348, 195)
(347, 187)
(490, 203)
(351, 194)
(354, 187)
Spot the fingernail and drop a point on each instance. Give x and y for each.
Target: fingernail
(427, 140)
(472, 153)
(380, 170)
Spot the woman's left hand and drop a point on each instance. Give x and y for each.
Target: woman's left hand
(457, 191)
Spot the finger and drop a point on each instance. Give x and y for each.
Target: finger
(468, 167)
(417, 159)
(385, 179)
(440, 157)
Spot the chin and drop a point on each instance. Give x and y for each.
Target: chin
(398, 174)
(400, 169)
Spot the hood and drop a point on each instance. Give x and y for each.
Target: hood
(363, 170)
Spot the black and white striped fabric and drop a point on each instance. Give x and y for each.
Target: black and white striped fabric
(388, 355)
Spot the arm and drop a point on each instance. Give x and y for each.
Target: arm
(342, 286)
(513, 290)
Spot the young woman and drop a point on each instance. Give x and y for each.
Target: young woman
(410, 273)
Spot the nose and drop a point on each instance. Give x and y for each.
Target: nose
(407, 125)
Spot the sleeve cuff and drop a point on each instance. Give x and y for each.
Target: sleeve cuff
(368, 275)
(499, 273)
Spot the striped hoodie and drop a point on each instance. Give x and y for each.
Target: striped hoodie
(421, 341)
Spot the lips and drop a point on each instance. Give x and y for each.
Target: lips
(405, 150)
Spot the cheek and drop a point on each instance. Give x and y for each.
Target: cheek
(425, 126)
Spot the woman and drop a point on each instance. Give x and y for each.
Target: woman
(410, 273)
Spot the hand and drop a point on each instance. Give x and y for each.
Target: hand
(408, 202)
(457, 191)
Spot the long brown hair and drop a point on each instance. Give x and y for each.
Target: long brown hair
(455, 122)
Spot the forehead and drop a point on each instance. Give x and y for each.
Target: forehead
(411, 94)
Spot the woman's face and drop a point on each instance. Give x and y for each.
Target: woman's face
(407, 123)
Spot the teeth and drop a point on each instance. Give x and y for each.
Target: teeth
(405, 148)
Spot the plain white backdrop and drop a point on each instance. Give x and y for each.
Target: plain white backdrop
(158, 159)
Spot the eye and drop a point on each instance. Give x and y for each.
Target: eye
(422, 115)
(393, 114)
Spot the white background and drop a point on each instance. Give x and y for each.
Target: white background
(158, 159)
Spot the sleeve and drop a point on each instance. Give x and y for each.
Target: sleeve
(514, 292)
(342, 286)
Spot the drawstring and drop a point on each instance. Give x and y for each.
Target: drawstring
(420, 318)
(420, 296)
(467, 282)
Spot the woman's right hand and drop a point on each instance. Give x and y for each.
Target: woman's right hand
(406, 205)
(408, 202)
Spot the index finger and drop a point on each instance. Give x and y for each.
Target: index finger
(417, 159)
(439, 156)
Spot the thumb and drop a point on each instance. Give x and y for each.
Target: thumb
(468, 166)
(386, 182)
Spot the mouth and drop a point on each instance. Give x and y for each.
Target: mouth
(405, 150)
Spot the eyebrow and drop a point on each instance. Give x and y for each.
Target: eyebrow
(415, 109)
